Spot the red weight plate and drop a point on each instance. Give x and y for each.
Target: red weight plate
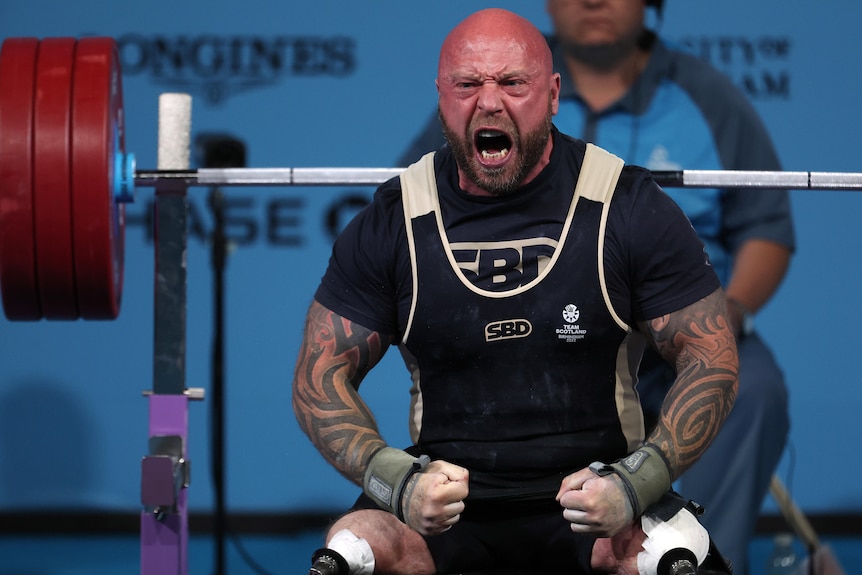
(17, 250)
(51, 178)
(98, 221)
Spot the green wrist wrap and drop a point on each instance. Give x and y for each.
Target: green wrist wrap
(387, 475)
(645, 476)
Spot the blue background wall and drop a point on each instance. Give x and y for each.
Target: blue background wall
(73, 422)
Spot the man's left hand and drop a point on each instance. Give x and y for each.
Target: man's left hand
(595, 505)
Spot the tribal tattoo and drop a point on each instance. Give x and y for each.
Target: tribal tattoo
(335, 356)
(699, 342)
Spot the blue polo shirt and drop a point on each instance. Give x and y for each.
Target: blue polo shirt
(683, 114)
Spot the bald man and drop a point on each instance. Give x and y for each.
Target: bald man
(521, 273)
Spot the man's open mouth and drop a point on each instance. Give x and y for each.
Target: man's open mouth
(492, 144)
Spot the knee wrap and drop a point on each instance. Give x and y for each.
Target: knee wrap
(679, 538)
(351, 555)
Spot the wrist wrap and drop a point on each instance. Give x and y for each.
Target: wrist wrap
(387, 475)
(645, 475)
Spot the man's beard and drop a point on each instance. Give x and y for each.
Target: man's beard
(505, 179)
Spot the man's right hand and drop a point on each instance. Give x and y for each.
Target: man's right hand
(434, 497)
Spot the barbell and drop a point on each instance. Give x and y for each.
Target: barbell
(65, 178)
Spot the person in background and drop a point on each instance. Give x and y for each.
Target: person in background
(521, 272)
(635, 95)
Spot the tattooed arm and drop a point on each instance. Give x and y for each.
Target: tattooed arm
(335, 356)
(698, 341)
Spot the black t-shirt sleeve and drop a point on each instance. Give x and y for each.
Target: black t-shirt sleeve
(360, 282)
(656, 263)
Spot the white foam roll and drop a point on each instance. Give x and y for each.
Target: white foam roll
(175, 128)
(683, 530)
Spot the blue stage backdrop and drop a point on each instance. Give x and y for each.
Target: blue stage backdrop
(339, 83)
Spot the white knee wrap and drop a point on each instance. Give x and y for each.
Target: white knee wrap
(683, 530)
(357, 552)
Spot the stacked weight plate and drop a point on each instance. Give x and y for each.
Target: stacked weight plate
(61, 133)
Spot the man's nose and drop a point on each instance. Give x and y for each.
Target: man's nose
(490, 98)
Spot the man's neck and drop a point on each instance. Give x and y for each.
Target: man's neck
(601, 84)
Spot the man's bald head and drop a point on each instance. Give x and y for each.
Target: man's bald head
(495, 24)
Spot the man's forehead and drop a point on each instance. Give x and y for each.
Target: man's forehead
(509, 46)
(495, 56)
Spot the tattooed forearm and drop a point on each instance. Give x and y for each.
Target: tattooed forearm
(698, 341)
(335, 356)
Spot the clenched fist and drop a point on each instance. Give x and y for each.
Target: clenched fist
(595, 505)
(434, 497)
